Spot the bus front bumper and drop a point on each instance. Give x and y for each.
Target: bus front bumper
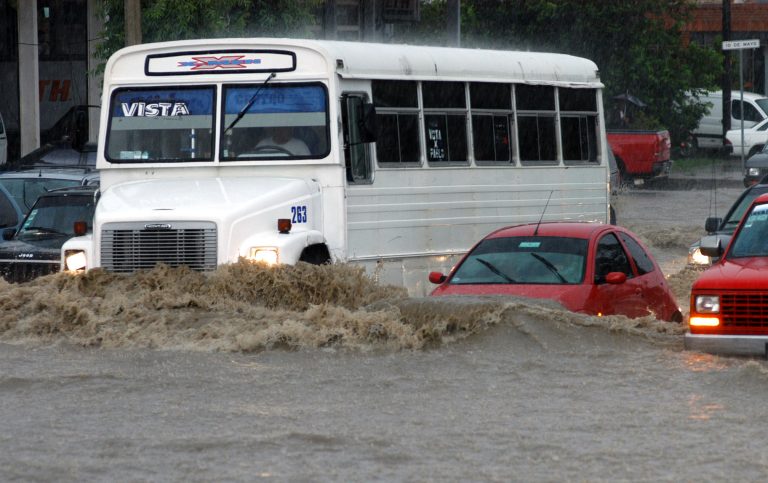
(737, 345)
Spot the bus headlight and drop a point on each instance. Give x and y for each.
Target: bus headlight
(75, 260)
(268, 255)
(707, 304)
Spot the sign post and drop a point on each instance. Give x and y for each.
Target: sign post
(741, 45)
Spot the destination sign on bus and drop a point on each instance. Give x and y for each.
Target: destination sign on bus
(220, 62)
(162, 102)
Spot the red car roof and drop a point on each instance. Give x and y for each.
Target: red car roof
(572, 229)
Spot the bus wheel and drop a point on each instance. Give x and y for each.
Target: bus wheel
(316, 255)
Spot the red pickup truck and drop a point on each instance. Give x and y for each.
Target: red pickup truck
(641, 155)
(729, 302)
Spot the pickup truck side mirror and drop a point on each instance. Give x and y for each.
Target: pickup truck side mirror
(714, 245)
(8, 233)
(712, 223)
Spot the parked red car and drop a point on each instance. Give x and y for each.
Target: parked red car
(590, 268)
(729, 302)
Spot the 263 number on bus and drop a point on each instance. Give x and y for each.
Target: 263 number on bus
(299, 214)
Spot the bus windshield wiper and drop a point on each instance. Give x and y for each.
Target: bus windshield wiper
(549, 265)
(496, 271)
(248, 104)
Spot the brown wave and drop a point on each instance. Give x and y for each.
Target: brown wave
(249, 307)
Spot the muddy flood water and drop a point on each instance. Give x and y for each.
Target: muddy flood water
(318, 374)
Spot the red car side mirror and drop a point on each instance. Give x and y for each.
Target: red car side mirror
(437, 277)
(616, 278)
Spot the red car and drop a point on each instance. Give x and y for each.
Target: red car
(590, 268)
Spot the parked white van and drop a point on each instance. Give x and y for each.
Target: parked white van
(709, 134)
(3, 143)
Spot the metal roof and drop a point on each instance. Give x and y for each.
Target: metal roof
(388, 61)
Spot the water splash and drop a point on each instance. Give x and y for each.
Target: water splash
(249, 307)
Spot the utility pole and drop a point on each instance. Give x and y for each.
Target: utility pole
(453, 22)
(726, 81)
(132, 9)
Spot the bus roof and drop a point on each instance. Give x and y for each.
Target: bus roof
(390, 61)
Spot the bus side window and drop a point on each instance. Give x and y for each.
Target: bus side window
(397, 105)
(536, 117)
(358, 121)
(579, 125)
(445, 121)
(492, 117)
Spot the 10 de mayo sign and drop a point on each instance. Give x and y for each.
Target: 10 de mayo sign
(741, 44)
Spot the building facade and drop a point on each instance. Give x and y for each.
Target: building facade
(749, 20)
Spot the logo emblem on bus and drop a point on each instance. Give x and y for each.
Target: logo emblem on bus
(223, 62)
(157, 226)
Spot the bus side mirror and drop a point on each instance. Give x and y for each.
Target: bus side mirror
(369, 124)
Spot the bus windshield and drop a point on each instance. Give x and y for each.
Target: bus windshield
(161, 125)
(283, 121)
(174, 125)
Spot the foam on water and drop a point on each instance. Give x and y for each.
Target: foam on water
(247, 307)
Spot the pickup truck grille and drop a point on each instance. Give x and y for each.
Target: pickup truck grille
(24, 271)
(127, 247)
(744, 309)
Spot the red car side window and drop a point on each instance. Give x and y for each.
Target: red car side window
(642, 260)
(610, 257)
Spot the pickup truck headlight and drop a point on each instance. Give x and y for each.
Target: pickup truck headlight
(707, 304)
(75, 261)
(695, 257)
(268, 255)
(753, 171)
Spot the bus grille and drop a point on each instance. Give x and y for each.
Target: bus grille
(127, 247)
(744, 309)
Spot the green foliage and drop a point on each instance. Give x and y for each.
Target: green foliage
(638, 46)
(163, 20)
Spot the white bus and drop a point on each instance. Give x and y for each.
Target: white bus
(392, 156)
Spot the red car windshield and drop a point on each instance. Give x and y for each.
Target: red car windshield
(524, 260)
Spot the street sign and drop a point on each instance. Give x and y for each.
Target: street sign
(741, 44)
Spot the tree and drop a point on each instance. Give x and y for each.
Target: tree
(638, 46)
(163, 20)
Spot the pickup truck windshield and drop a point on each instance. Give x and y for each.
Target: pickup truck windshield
(283, 121)
(752, 238)
(56, 216)
(161, 125)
